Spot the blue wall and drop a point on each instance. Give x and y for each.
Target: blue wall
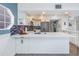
(13, 8)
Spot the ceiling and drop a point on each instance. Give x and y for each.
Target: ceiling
(52, 13)
(36, 9)
(47, 6)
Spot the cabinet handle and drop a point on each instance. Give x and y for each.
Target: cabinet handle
(21, 41)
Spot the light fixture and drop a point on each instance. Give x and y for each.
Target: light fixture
(31, 17)
(43, 12)
(66, 13)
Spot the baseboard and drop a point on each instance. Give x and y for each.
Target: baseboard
(42, 55)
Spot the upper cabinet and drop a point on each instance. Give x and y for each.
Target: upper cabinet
(77, 23)
(72, 25)
(69, 24)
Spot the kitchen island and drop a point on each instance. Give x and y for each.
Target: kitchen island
(44, 43)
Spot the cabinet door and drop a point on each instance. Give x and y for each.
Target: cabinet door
(41, 45)
(22, 45)
(19, 46)
(77, 23)
(10, 48)
(78, 51)
(73, 50)
(26, 46)
(34, 45)
(7, 46)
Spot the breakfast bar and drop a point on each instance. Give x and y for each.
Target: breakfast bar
(43, 43)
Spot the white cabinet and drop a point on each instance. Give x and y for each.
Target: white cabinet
(19, 46)
(46, 45)
(9, 48)
(22, 45)
(75, 30)
(42, 45)
(77, 23)
(76, 39)
(7, 45)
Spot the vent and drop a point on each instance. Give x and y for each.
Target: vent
(58, 6)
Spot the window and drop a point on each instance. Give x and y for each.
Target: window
(6, 18)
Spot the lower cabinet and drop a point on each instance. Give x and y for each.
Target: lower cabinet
(7, 46)
(78, 51)
(10, 48)
(22, 45)
(42, 46)
(73, 50)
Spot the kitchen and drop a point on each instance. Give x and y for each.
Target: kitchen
(43, 29)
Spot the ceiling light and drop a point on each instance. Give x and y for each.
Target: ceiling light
(43, 12)
(66, 13)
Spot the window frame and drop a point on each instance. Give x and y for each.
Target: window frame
(11, 16)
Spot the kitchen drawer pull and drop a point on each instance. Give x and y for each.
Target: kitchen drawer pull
(21, 41)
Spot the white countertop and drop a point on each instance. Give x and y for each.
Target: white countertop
(48, 34)
(5, 36)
